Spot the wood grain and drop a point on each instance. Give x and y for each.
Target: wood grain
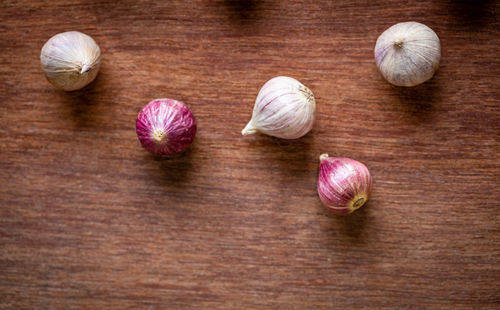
(90, 220)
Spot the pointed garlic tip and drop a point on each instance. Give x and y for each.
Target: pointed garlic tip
(249, 129)
(323, 157)
(85, 68)
(398, 43)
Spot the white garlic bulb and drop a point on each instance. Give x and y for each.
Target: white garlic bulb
(408, 54)
(70, 60)
(284, 108)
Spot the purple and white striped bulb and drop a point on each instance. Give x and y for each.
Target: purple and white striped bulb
(165, 127)
(344, 184)
(284, 108)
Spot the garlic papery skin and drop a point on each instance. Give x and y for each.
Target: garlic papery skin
(408, 54)
(70, 60)
(344, 184)
(165, 127)
(284, 108)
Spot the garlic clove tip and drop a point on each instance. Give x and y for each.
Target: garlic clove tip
(323, 157)
(85, 68)
(248, 130)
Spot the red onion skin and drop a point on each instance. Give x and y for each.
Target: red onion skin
(344, 184)
(165, 127)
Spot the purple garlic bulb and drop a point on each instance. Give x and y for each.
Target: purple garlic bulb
(344, 184)
(165, 127)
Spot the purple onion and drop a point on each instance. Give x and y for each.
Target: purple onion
(165, 127)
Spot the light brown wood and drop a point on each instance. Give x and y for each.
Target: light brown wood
(90, 220)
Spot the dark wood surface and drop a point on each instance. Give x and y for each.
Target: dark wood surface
(90, 220)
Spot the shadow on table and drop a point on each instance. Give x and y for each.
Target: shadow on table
(81, 105)
(352, 226)
(174, 170)
(420, 101)
(291, 156)
(472, 13)
(243, 11)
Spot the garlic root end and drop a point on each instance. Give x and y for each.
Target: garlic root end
(357, 202)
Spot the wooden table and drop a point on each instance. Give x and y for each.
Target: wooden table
(90, 220)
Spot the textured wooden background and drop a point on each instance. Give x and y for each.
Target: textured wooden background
(90, 220)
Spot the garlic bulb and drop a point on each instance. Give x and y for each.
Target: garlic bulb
(284, 108)
(408, 54)
(70, 60)
(344, 184)
(166, 127)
